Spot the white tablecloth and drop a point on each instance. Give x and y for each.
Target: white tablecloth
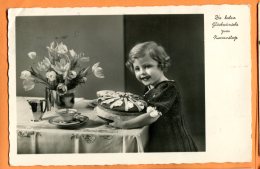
(92, 137)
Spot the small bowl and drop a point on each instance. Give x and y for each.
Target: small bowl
(67, 115)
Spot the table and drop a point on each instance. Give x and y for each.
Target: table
(92, 137)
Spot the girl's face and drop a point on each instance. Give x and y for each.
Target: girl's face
(147, 71)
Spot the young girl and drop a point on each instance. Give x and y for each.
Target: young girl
(167, 132)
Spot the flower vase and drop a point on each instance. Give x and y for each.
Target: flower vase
(63, 101)
(49, 99)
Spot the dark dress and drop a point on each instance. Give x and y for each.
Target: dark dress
(168, 133)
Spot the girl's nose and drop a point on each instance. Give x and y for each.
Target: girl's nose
(142, 71)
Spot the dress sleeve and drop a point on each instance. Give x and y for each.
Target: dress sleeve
(164, 97)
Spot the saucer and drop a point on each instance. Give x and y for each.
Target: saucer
(75, 123)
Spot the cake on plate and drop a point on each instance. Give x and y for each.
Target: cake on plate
(120, 105)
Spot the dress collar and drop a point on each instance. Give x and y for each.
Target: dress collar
(149, 88)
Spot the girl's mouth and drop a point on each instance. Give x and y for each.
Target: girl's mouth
(145, 78)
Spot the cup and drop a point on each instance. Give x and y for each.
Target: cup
(67, 115)
(38, 108)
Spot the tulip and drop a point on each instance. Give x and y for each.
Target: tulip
(52, 45)
(51, 48)
(41, 67)
(46, 61)
(98, 71)
(72, 53)
(61, 67)
(72, 74)
(62, 89)
(44, 65)
(26, 75)
(32, 55)
(51, 76)
(28, 84)
(61, 48)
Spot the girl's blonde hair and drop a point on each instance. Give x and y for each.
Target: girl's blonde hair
(151, 49)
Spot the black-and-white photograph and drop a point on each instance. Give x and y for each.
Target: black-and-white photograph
(110, 84)
(123, 83)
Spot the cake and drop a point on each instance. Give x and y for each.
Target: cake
(120, 105)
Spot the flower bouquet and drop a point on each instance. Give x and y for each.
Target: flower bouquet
(61, 71)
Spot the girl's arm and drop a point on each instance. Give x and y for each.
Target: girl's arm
(139, 121)
(92, 103)
(87, 103)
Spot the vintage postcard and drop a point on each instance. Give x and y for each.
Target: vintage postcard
(129, 85)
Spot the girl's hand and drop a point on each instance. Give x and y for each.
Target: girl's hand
(153, 112)
(117, 123)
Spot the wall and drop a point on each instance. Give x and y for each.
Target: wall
(100, 37)
(182, 36)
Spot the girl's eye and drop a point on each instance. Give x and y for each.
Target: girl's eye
(147, 66)
(136, 68)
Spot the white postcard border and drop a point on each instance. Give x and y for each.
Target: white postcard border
(227, 91)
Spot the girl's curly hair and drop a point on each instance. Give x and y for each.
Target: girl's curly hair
(151, 49)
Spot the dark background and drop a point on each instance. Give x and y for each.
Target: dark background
(108, 39)
(182, 36)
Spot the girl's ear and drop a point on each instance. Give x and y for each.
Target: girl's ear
(160, 66)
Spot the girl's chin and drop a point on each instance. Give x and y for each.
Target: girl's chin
(146, 83)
